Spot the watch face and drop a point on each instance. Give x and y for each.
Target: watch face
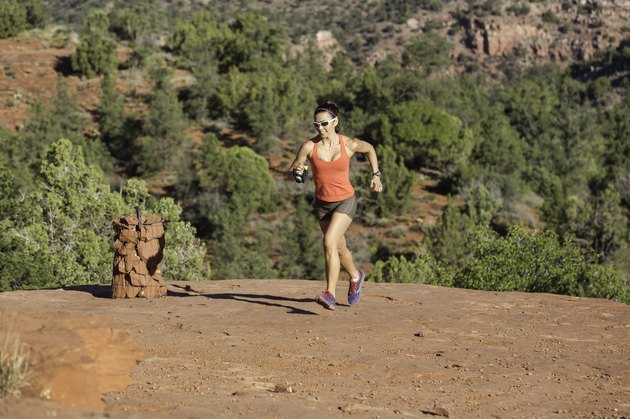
(377, 173)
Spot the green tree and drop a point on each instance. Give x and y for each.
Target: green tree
(395, 197)
(196, 40)
(398, 10)
(599, 222)
(17, 16)
(66, 240)
(96, 53)
(425, 135)
(562, 135)
(162, 129)
(606, 281)
(231, 186)
(617, 137)
(7, 203)
(61, 234)
(482, 202)
(498, 147)
(134, 22)
(202, 98)
(300, 253)
(35, 13)
(538, 263)
(249, 38)
(18, 156)
(447, 239)
(111, 117)
(427, 53)
(237, 173)
(66, 120)
(184, 253)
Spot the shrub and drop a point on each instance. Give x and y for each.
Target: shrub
(550, 17)
(65, 239)
(448, 238)
(17, 16)
(395, 198)
(14, 362)
(61, 234)
(482, 201)
(521, 9)
(523, 262)
(184, 253)
(432, 5)
(12, 18)
(96, 54)
(427, 52)
(421, 269)
(606, 281)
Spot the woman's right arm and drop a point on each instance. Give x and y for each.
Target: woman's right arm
(302, 155)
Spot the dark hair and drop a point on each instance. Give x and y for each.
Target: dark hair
(328, 106)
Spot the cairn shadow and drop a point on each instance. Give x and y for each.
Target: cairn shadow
(262, 299)
(97, 291)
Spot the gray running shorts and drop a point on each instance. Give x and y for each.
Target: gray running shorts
(325, 210)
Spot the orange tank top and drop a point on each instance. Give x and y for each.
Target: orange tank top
(332, 179)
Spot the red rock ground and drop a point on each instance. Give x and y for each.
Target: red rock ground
(263, 348)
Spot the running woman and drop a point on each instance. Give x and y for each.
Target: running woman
(329, 154)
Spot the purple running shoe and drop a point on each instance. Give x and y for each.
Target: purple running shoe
(327, 300)
(354, 291)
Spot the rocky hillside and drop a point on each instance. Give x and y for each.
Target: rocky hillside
(500, 36)
(508, 36)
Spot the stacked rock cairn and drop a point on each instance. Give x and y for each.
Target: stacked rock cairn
(139, 249)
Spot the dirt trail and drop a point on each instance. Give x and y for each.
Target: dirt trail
(262, 348)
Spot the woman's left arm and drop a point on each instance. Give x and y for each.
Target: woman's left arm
(359, 146)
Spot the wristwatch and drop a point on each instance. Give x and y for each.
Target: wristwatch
(377, 173)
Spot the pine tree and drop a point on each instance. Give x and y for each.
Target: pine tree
(96, 54)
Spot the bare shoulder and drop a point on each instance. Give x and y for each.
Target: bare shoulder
(356, 145)
(350, 142)
(307, 147)
(308, 144)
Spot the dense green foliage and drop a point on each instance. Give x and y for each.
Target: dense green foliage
(61, 234)
(420, 269)
(537, 166)
(96, 54)
(58, 235)
(19, 15)
(227, 188)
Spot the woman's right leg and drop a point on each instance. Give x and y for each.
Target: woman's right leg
(345, 256)
(336, 252)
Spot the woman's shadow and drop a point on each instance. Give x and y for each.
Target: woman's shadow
(105, 291)
(248, 298)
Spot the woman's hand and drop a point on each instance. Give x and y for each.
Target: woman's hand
(376, 184)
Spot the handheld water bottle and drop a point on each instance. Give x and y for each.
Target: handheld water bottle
(301, 175)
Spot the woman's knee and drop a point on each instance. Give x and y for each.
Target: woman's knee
(330, 246)
(341, 247)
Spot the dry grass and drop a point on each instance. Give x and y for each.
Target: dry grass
(14, 359)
